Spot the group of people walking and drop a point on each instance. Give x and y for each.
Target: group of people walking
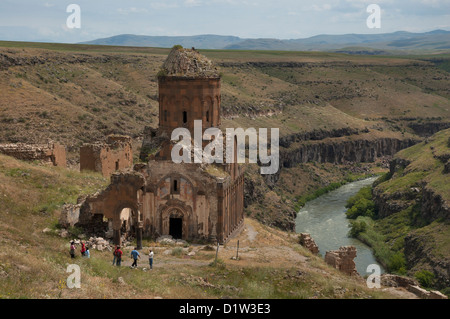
(84, 250)
(118, 253)
(135, 255)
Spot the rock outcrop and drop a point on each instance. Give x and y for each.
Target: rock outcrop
(428, 128)
(343, 150)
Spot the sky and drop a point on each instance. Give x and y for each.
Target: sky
(46, 20)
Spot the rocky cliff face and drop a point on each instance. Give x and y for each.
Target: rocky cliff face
(341, 151)
(429, 128)
(433, 206)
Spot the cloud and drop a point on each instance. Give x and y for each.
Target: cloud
(131, 10)
(322, 7)
(193, 3)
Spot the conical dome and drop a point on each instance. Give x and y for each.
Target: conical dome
(188, 63)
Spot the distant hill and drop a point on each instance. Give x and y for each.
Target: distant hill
(349, 43)
(206, 41)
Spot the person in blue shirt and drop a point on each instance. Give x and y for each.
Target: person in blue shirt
(87, 254)
(135, 255)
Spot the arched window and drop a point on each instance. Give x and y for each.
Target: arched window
(184, 117)
(175, 186)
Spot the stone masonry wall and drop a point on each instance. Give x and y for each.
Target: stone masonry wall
(106, 158)
(342, 259)
(51, 153)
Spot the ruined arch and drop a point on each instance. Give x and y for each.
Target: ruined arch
(136, 226)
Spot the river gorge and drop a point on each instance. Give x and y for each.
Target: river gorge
(324, 218)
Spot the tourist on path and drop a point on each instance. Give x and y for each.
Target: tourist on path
(150, 258)
(118, 256)
(83, 248)
(87, 254)
(72, 249)
(135, 255)
(114, 254)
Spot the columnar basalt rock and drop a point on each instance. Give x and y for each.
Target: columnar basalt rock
(342, 259)
(53, 153)
(113, 155)
(309, 243)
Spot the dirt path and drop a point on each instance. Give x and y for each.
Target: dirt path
(252, 233)
(161, 263)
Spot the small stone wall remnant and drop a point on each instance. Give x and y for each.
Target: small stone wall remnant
(49, 153)
(308, 242)
(342, 259)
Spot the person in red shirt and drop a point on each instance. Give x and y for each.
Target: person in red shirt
(114, 254)
(119, 254)
(83, 248)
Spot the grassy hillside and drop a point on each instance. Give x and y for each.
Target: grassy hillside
(33, 263)
(79, 93)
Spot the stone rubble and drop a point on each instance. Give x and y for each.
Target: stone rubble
(169, 240)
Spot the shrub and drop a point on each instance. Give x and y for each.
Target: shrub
(397, 263)
(385, 177)
(161, 73)
(425, 278)
(357, 227)
(177, 251)
(446, 291)
(361, 204)
(219, 263)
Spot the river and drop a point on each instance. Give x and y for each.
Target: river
(324, 218)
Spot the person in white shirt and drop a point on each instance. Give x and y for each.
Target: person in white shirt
(150, 258)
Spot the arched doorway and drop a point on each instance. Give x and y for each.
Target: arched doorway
(127, 220)
(175, 222)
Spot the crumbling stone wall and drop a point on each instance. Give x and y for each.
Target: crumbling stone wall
(49, 153)
(308, 242)
(103, 209)
(113, 155)
(342, 259)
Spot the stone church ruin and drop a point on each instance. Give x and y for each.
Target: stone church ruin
(159, 197)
